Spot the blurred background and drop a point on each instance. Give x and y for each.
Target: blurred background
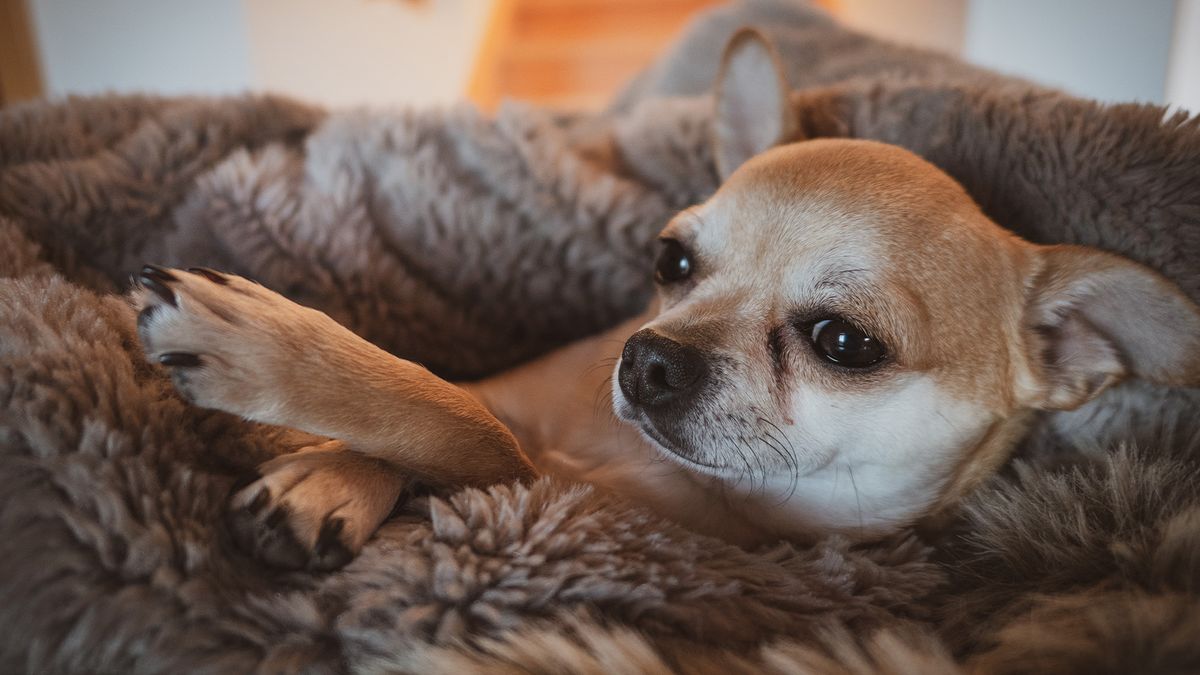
(564, 53)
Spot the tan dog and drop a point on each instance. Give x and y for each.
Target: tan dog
(842, 342)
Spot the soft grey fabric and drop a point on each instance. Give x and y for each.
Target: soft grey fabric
(470, 244)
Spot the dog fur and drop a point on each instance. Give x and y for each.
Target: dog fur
(981, 330)
(114, 489)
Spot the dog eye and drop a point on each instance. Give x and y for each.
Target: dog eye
(674, 263)
(841, 342)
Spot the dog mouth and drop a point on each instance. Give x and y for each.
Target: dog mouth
(675, 450)
(672, 449)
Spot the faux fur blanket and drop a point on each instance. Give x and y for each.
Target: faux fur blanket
(471, 243)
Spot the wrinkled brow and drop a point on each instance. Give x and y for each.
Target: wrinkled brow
(842, 280)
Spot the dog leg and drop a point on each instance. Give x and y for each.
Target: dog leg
(233, 345)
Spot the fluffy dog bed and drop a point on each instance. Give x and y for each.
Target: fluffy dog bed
(471, 243)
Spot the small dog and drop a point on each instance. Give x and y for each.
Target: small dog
(842, 342)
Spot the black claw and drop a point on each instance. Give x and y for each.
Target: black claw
(260, 500)
(158, 273)
(179, 360)
(402, 503)
(274, 518)
(244, 481)
(264, 539)
(212, 275)
(329, 534)
(159, 286)
(279, 548)
(335, 557)
(243, 528)
(330, 553)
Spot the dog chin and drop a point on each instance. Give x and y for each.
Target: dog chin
(667, 449)
(645, 426)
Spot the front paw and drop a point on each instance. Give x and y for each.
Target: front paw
(314, 509)
(228, 343)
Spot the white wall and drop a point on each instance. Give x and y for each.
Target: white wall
(167, 46)
(380, 52)
(1183, 76)
(366, 51)
(336, 52)
(1112, 50)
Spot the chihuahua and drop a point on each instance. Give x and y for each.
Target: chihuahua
(842, 342)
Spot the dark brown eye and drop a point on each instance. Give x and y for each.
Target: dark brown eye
(839, 341)
(674, 263)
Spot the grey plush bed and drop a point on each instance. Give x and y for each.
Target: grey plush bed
(471, 243)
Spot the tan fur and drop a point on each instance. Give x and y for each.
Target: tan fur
(328, 481)
(950, 299)
(954, 282)
(272, 352)
(273, 361)
(946, 289)
(981, 329)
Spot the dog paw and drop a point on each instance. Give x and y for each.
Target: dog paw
(314, 509)
(227, 342)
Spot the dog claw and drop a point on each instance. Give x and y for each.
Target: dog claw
(161, 274)
(330, 552)
(329, 532)
(275, 518)
(212, 275)
(260, 500)
(156, 279)
(244, 481)
(179, 360)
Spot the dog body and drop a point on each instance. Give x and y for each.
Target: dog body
(842, 342)
(779, 443)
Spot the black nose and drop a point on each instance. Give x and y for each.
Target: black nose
(656, 370)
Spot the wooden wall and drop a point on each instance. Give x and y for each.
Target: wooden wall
(20, 78)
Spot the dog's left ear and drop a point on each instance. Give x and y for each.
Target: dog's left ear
(752, 110)
(1097, 318)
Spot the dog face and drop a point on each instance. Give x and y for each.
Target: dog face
(837, 325)
(846, 342)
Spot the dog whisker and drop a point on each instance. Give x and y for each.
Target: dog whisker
(790, 446)
(767, 439)
(607, 363)
(857, 498)
(750, 471)
(741, 456)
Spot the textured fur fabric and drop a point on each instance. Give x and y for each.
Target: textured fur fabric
(470, 244)
(1088, 567)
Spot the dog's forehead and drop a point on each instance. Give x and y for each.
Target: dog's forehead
(796, 216)
(816, 194)
(838, 168)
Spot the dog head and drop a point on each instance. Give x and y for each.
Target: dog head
(847, 343)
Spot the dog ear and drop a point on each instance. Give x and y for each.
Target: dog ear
(1098, 318)
(752, 111)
